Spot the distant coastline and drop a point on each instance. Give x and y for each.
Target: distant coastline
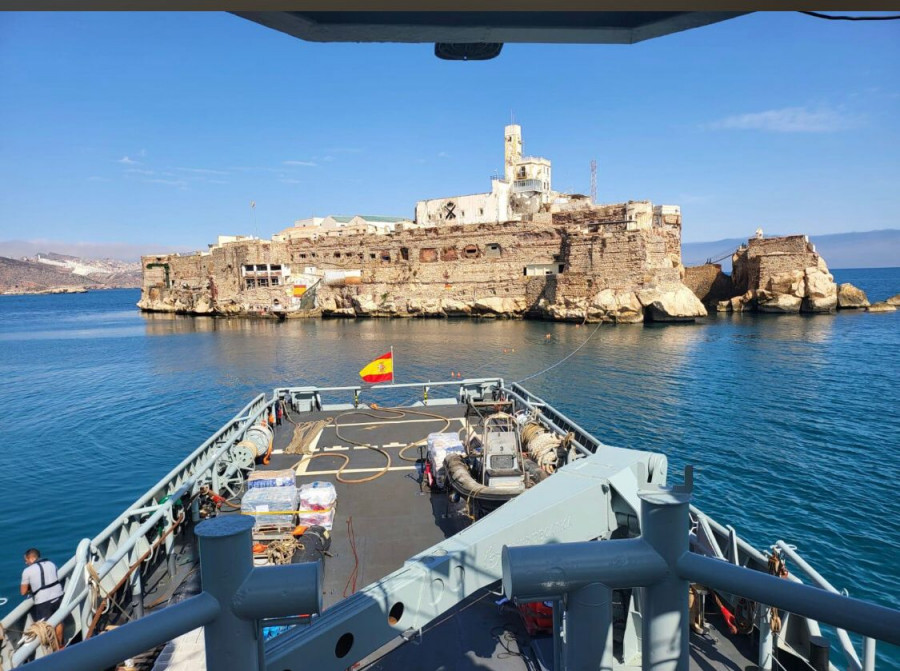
(52, 273)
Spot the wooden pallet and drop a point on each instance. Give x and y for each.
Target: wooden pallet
(272, 532)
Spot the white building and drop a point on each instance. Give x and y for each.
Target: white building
(341, 226)
(230, 239)
(526, 187)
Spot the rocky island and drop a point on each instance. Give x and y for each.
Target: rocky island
(521, 250)
(782, 274)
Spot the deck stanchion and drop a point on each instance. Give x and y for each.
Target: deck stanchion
(137, 593)
(557, 633)
(868, 659)
(665, 643)
(588, 628)
(225, 562)
(764, 624)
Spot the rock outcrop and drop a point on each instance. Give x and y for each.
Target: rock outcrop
(893, 300)
(820, 290)
(668, 302)
(181, 302)
(883, 306)
(851, 297)
(744, 302)
(500, 306)
(616, 308)
(782, 275)
(671, 303)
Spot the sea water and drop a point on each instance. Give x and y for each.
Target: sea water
(790, 420)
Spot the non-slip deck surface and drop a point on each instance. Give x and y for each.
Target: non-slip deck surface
(394, 517)
(391, 517)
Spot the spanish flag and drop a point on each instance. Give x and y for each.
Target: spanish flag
(379, 370)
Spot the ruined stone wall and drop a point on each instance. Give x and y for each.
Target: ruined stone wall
(761, 258)
(709, 283)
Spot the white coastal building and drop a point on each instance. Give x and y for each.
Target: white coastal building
(526, 187)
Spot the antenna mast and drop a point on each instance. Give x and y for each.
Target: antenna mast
(593, 181)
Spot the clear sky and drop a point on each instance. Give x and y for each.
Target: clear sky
(161, 128)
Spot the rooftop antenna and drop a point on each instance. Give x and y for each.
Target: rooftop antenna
(593, 181)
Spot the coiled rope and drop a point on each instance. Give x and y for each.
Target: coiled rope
(45, 634)
(281, 551)
(541, 446)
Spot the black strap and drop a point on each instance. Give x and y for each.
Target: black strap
(44, 584)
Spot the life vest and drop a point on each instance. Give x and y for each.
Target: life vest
(44, 583)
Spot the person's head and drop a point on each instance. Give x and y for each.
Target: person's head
(32, 555)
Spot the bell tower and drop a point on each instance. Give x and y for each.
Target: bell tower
(512, 150)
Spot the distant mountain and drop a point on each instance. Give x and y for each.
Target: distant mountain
(120, 251)
(29, 277)
(869, 249)
(50, 270)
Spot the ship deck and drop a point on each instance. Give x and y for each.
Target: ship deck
(381, 523)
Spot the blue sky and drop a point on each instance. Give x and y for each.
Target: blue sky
(159, 129)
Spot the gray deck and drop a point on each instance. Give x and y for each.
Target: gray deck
(393, 518)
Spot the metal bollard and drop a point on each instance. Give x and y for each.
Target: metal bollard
(248, 594)
(225, 562)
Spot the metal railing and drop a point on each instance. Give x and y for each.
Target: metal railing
(660, 563)
(850, 654)
(117, 553)
(237, 597)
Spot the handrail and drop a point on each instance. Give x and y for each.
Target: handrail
(181, 480)
(236, 596)
(826, 603)
(403, 385)
(847, 645)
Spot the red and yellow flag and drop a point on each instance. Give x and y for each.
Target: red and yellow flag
(379, 370)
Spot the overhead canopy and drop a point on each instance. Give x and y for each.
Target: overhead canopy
(453, 31)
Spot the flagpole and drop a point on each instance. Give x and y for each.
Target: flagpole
(393, 367)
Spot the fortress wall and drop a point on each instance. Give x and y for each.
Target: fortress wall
(763, 258)
(586, 251)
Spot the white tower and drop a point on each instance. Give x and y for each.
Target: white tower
(512, 153)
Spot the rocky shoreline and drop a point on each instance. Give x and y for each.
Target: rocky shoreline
(666, 303)
(41, 292)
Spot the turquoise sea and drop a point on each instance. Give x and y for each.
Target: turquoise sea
(793, 422)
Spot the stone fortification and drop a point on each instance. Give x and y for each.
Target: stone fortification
(783, 274)
(614, 263)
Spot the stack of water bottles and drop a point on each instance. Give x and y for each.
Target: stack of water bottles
(271, 498)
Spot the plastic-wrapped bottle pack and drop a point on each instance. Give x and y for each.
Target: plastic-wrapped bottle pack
(317, 504)
(271, 505)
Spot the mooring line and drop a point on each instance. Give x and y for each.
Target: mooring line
(564, 359)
